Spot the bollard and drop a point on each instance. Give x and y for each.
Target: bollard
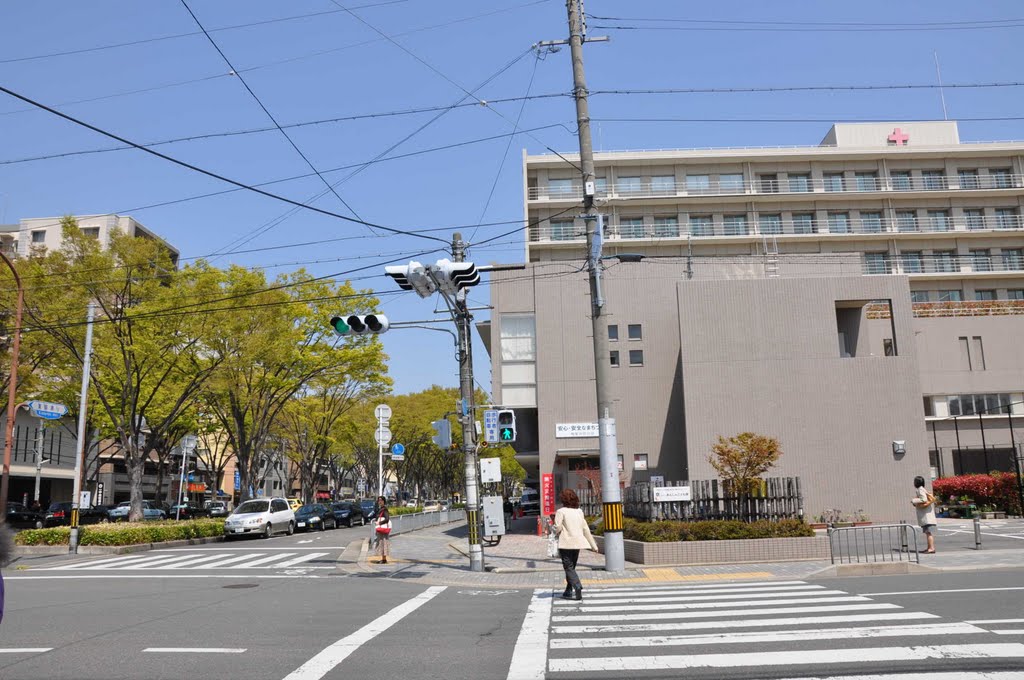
(977, 533)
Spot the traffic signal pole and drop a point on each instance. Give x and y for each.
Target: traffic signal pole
(611, 496)
(464, 326)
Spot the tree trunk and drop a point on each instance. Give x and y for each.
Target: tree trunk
(135, 472)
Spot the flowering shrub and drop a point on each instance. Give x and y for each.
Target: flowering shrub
(998, 489)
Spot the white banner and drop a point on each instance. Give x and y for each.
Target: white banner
(666, 494)
(563, 430)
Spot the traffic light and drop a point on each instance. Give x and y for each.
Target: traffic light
(413, 276)
(454, 276)
(443, 436)
(506, 426)
(360, 324)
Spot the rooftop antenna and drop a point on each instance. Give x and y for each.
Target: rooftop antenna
(942, 94)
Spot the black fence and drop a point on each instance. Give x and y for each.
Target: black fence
(777, 498)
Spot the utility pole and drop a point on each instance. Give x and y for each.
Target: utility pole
(83, 406)
(464, 325)
(611, 496)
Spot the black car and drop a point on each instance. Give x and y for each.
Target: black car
(315, 516)
(369, 508)
(187, 511)
(348, 513)
(20, 517)
(59, 515)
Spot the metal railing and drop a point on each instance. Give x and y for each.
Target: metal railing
(402, 524)
(791, 185)
(945, 264)
(874, 543)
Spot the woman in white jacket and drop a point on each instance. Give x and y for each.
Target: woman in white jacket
(573, 535)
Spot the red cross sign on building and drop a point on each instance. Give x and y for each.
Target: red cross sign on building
(899, 137)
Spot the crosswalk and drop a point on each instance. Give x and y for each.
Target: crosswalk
(763, 629)
(203, 560)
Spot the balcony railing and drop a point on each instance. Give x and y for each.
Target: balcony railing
(964, 308)
(792, 185)
(944, 264)
(661, 230)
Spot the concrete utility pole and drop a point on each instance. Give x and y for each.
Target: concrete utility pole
(83, 405)
(611, 496)
(464, 325)
(12, 388)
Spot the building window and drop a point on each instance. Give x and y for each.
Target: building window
(839, 223)
(888, 348)
(666, 227)
(919, 296)
(1015, 294)
(663, 184)
(968, 179)
(735, 225)
(91, 232)
(39, 236)
(770, 224)
(518, 350)
(563, 230)
(982, 260)
(698, 184)
(934, 180)
(877, 263)
(1006, 218)
(639, 461)
(631, 227)
(974, 218)
(803, 223)
(901, 180)
(613, 332)
(984, 295)
(973, 404)
(769, 184)
(636, 332)
(833, 181)
(949, 296)
(800, 184)
(944, 260)
(701, 225)
(906, 220)
(1001, 178)
(560, 187)
(911, 260)
(601, 186)
(614, 358)
(871, 222)
(636, 357)
(939, 220)
(731, 182)
(867, 181)
(1013, 259)
(628, 185)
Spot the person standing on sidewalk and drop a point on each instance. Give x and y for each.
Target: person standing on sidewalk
(383, 529)
(573, 535)
(924, 502)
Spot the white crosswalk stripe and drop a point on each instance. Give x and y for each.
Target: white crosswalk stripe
(199, 561)
(793, 627)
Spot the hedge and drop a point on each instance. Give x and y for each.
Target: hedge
(124, 533)
(710, 530)
(998, 489)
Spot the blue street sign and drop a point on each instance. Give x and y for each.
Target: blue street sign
(238, 480)
(47, 410)
(398, 450)
(465, 407)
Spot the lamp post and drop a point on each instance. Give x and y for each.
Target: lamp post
(12, 388)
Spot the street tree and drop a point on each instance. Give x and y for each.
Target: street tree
(742, 459)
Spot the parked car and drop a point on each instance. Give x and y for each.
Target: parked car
(530, 502)
(20, 517)
(59, 515)
(431, 506)
(294, 503)
(150, 510)
(315, 516)
(369, 508)
(261, 516)
(188, 511)
(217, 509)
(348, 513)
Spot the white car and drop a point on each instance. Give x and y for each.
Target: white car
(262, 516)
(431, 506)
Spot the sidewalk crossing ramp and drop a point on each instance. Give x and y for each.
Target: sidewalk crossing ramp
(203, 560)
(780, 629)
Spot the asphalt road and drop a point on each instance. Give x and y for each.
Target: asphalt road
(112, 621)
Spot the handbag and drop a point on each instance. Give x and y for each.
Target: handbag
(552, 545)
(384, 528)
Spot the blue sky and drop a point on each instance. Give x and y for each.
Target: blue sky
(331, 65)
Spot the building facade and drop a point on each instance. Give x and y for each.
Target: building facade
(862, 300)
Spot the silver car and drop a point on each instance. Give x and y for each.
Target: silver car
(261, 516)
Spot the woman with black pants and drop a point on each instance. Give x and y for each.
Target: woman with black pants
(573, 535)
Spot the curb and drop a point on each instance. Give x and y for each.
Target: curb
(875, 569)
(34, 550)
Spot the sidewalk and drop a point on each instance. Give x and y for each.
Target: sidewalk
(439, 556)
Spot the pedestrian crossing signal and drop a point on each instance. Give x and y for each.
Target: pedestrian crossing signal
(506, 426)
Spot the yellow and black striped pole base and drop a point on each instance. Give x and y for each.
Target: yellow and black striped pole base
(612, 517)
(474, 531)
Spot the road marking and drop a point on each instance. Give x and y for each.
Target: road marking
(255, 548)
(220, 563)
(262, 560)
(1009, 632)
(997, 621)
(24, 650)
(796, 658)
(917, 675)
(133, 562)
(780, 636)
(300, 559)
(322, 663)
(706, 605)
(706, 586)
(640, 580)
(195, 650)
(951, 590)
(693, 597)
(152, 576)
(731, 612)
(529, 658)
(742, 623)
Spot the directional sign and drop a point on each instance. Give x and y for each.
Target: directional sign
(397, 452)
(382, 412)
(47, 410)
(491, 427)
(382, 435)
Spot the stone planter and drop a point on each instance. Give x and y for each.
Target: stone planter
(802, 548)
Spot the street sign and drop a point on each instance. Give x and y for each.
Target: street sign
(668, 494)
(397, 452)
(47, 410)
(382, 435)
(85, 500)
(491, 426)
(382, 412)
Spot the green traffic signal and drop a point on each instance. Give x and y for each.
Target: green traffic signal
(340, 326)
(506, 434)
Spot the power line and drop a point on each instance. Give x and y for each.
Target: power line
(804, 88)
(806, 23)
(209, 173)
(799, 29)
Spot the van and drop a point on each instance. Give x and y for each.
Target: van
(530, 502)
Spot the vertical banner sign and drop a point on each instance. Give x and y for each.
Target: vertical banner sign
(547, 494)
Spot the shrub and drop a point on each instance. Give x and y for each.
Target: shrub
(124, 533)
(711, 530)
(405, 511)
(998, 489)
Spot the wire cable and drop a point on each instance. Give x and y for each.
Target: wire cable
(806, 88)
(807, 29)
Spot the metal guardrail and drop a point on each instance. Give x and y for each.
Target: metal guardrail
(874, 543)
(402, 524)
